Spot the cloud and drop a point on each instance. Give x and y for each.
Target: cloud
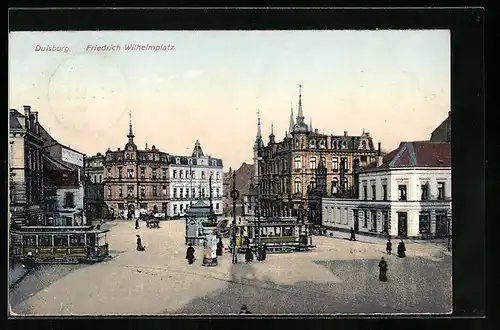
(192, 74)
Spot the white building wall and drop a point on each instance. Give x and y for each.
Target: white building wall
(75, 213)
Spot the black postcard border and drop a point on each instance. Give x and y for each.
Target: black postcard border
(468, 135)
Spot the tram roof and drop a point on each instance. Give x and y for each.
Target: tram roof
(57, 230)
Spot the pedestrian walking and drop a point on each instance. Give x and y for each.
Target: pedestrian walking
(401, 249)
(353, 235)
(382, 265)
(244, 310)
(248, 255)
(136, 223)
(264, 251)
(140, 247)
(246, 241)
(388, 246)
(220, 247)
(190, 254)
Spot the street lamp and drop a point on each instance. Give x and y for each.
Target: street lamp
(234, 195)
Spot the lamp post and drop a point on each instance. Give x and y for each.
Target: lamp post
(258, 197)
(449, 229)
(234, 195)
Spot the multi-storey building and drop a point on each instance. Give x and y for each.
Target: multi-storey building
(25, 168)
(189, 180)
(407, 194)
(94, 188)
(150, 180)
(245, 184)
(288, 169)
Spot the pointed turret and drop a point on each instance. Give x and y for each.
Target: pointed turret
(292, 121)
(311, 125)
(300, 125)
(197, 151)
(130, 144)
(271, 136)
(258, 139)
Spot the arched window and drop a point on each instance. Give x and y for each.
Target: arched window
(363, 145)
(313, 182)
(335, 183)
(297, 186)
(346, 183)
(128, 156)
(344, 145)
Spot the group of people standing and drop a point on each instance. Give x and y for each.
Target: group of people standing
(190, 251)
(382, 265)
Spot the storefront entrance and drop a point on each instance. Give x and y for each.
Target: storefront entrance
(402, 224)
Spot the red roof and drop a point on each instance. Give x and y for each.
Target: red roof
(417, 154)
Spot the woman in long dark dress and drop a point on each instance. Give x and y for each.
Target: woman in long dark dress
(388, 246)
(140, 247)
(220, 246)
(248, 255)
(382, 265)
(190, 254)
(401, 249)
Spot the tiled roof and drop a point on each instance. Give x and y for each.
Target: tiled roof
(417, 154)
(244, 176)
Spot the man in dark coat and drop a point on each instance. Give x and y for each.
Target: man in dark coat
(248, 255)
(382, 265)
(353, 235)
(401, 249)
(136, 223)
(388, 246)
(140, 247)
(246, 241)
(220, 247)
(264, 251)
(190, 254)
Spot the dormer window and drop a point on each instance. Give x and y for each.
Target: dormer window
(128, 156)
(190, 161)
(344, 145)
(363, 144)
(177, 160)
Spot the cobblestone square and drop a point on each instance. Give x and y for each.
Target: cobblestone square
(339, 276)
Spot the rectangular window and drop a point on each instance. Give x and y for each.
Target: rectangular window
(345, 163)
(182, 208)
(365, 193)
(374, 220)
(164, 190)
(217, 206)
(155, 192)
(175, 208)
(203, 175)
(217, 193)
(193, 192)
(130, 191)
(217, 175)
(69, 200)
(384, 192)
(425, 223)
(441, 190)
(175, 193)
(120, 172)
(402, 192)
(312, 163)
(130, 173)
(164, 207)
(425, 192)
(143, 173)
(174, 174)
(193, 176)
(164, 173)
(365, 219)
(181, 174)
(143, 191)
(298, 163)
(109, 191)
(181, 193)
(203, 192)
(143, 206)
(154, 173)
(335, 164)
(120, 191)
(187, 192)
(374, 192)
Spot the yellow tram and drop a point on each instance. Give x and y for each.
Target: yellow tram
(279, 235)
(60, 244)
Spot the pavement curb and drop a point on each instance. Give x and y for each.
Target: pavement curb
(18, 280)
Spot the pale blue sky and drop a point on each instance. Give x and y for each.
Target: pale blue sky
(394, 84)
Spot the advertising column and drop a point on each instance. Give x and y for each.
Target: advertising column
(209, 244)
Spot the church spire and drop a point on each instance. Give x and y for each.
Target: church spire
(258, 139)
(292, 123)
(272, 136)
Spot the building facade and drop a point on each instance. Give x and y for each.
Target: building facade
(287, 170)
(150, 180)
(25, 168)
(443, 132)
(189, 180)
(63, 194)
(245, 184)
(94, 188)
(408, 194)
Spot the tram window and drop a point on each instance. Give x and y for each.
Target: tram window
(45, 240)
(60, 240)
(77, 240)
(90, 240)
(29, 240)
(287, 231)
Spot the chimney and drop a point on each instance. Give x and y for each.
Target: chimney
(378, 154)
(98, 154)
(345, 133)
(118, 149)
(380, 160)
(367, 133)
(27, 111)
(36, 116)
(316, 130)
(146, 146)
